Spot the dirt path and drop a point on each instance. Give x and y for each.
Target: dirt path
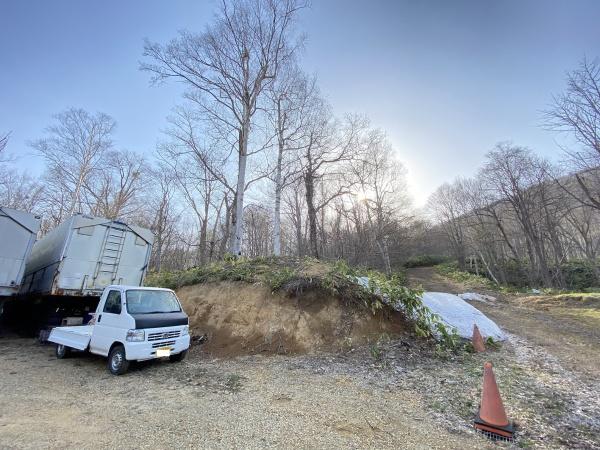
(252, 402)
(554, 350)
(568, 330)
(430, 280)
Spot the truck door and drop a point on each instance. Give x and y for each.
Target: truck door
(109, 326)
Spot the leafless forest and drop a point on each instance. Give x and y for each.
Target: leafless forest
(524, 220)
(254, 162)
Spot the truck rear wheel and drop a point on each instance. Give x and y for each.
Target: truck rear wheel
(62, 351)
(178, 357)
(117, 364)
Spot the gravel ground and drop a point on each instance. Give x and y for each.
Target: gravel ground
(393, 394)
(250, 402)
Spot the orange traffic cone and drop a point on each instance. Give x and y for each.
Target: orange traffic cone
(491, 418)
(477, 340)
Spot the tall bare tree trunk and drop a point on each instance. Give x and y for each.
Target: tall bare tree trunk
(227, 235)
(77, 193)
(309, 183)
(298, 222)
(237, 219)
(385, 255)
(277, 212)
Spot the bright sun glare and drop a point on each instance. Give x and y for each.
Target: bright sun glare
(361, 196)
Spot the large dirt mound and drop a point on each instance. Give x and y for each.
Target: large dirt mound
(243, 318)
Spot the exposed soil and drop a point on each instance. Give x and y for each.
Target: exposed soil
(240, 318)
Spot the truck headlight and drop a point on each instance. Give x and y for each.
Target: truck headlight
(185, 330)
(135, 335)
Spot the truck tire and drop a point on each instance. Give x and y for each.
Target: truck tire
(62, 351)
(178, 357)
(117, 364)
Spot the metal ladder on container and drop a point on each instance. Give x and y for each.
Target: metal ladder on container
(110, 255)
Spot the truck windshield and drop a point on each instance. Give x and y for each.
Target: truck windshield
(141, 301)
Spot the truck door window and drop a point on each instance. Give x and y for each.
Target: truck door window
(113, 303)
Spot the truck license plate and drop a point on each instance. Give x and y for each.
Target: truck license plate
(163, 352)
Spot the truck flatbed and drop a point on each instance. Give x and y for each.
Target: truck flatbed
(77, 337)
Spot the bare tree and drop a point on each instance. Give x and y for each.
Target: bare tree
(162, 217)
(3, 144)
(199, 190)
(227, 68)
(113, 191)
(577, 112)
(380, 191)
(580, 228)
(448, 210)
(291, 96)
(513, 172)
(74, 148)
(295, 205)
(202, 174)
(20, 191)
(328, 143)
(258, 230)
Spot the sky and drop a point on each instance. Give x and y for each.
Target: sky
(446, 80)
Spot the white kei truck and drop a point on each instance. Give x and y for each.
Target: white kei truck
(131, 323)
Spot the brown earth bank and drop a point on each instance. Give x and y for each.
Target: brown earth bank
(239, 318)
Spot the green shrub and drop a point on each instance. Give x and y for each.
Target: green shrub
(424, 261)
(490, 342)
(391, 289)
(268, 270)
(451, 270)
(579, 275)
(515, 272)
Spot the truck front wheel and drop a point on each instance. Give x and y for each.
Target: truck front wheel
(178, 357)
(117, 364)
(62, 351)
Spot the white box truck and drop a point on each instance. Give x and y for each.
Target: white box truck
(131, 323)
(85, 254)
(18, 231)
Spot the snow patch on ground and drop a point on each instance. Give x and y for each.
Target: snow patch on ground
(454, 312)
(461, 316)
(473, 296)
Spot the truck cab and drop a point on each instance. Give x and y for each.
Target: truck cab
(131, 323)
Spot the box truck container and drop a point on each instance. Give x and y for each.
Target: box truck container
(85, 254)
(18, 231)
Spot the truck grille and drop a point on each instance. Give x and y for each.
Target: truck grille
(163, 344)
(164, 335)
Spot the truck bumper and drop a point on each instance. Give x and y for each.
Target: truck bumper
(141, 351)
